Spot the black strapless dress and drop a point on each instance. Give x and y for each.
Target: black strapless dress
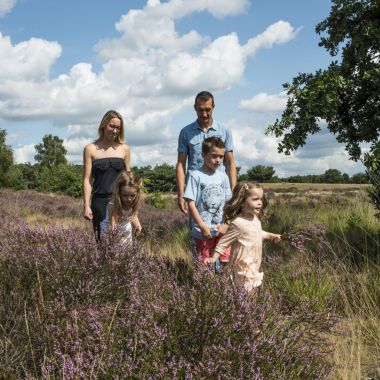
(104, 172)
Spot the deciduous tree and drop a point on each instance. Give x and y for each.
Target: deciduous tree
(51, 151)
(346, 94)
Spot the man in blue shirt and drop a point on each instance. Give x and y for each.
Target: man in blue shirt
(190, 144)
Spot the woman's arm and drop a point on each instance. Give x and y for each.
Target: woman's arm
(127, 158)
(87, 187)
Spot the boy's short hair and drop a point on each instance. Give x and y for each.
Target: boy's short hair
(212, 142)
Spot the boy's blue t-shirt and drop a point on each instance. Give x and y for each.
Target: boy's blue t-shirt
(209, 192)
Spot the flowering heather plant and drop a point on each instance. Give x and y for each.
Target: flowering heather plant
(72, 309)
(24, 202)
(299, 237)
(158, 223)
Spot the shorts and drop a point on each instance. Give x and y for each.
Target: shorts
(205, 249)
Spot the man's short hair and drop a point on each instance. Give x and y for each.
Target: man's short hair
(203, 96)
(212, 142)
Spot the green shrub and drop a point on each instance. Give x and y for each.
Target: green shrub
(158, 200)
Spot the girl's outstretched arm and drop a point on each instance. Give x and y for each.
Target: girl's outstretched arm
(269, 236)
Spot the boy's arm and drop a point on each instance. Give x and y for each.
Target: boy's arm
(195, 214)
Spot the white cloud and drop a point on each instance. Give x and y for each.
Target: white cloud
(6, 6)
(24, 153)
(265, 103)
(219, 65)
(149, 73)
(278, 33)
(28, 60)
(252, 147)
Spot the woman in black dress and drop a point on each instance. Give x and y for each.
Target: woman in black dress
(103, 160)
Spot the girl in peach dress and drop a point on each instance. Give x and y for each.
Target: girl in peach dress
(244, 234)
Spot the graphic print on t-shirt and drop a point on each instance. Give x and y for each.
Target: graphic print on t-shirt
(212, 202)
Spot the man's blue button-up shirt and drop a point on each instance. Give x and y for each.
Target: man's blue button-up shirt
(190, 142)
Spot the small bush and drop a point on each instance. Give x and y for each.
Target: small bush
(158, 200)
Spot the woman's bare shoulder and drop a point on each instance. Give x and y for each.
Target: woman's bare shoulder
(89, 148)
(125, 147)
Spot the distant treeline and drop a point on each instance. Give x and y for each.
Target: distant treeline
(67, 178)
(52, 172)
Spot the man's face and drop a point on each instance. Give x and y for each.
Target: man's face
(204, 112)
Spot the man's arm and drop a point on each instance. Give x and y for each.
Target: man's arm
(231, 169)
(181, 175)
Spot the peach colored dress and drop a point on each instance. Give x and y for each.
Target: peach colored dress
(246, 238)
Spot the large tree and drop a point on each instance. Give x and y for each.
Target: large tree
(51, 151)
(346, 94)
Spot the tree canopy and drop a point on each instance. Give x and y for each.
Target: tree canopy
(51, 151)
(260, 173)
(346, 94)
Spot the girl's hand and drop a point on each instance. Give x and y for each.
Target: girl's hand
(138, 230)
(206, 232)
(209, 260)
(222, 229)
(88, 213)
(275, 238)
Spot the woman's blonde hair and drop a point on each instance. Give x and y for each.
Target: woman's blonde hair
(111, 114)
(129, 179)
(234, 206)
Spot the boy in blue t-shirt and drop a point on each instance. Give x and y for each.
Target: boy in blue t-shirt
(207, 190)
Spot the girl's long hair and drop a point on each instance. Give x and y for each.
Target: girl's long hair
(111, 114)
(129, 179)
(234, 206)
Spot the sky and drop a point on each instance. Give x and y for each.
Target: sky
(63, 64)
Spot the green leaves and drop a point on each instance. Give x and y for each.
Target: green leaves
(51, 151)
(346, 94)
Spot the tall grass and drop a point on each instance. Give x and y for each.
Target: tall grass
(340, 269)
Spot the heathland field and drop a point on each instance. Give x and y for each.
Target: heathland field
(74, 310)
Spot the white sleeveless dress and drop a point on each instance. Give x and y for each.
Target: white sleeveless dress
(124, 226)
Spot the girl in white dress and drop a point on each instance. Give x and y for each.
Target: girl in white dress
(122, 212)
(244, 234)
